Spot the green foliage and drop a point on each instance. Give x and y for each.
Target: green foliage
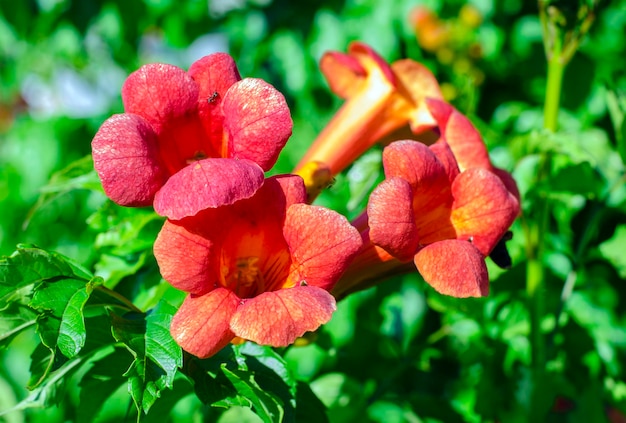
(84, 320)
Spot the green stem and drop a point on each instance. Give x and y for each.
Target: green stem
(556, 66)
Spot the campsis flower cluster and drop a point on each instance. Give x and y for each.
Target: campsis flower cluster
(260, 262)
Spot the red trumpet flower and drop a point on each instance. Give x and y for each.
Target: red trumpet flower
(206, 135)
(259, 269)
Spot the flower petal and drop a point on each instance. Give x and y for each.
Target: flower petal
(321, 242)
(432, 199)
(202, 324)
(391, 220)
(207, 183)
(277, 318)
(187, 260)
(160, 93)
(455, 268)
(462, 137)
(257, 121)
(419, 83)
(414, 162)
(483, 209)
(446, 157)
(214, 74)
(344, 73)
(126, 158)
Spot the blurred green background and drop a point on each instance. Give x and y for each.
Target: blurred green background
(398, 352)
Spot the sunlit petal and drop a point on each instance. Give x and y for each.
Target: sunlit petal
(322, 243)
(391, 219)
(126, 158)
(454, 267)
(277, 318)
(257, 121)
(206, 184)
(201, 326)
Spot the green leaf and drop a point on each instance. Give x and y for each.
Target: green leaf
(160, 346)
(77, 175)
(613, 250)
(157, 356)
(52, 390)
(270, 360)
(14, 319)
(309, 408)
(31, 265)
(265, 406)
(61, 322)
(100, 382)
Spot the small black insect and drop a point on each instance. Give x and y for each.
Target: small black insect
(213, 97)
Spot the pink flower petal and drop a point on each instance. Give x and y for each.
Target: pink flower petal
(207, 183)
(202, 324)
(483, 209)
(455, 268)
(391, 219)
(257, 121)
(432, 198)
(447, 159)
(277, 318)
(414, 162)
(187, 260)
(322, 244)
(126, 158)
(160, 94)
(214, 74)
(462, 137)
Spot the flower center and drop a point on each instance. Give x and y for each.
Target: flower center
(198, 155)
(245, 277)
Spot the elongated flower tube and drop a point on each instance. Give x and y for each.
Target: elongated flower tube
(426, 211)
(380, 99)
(259, 269)
(206, 135)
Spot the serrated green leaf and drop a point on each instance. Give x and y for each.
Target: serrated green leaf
(160, 346)
(61, 321)
(271, 360)
(263, 404)
(31, 265)
(157, 356)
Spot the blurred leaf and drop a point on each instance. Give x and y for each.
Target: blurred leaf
(77, 175)
(343, 396)
(102, 379)
(403, 312)
(51, 391)
(15, 318)
(363, 176)
(613, 250)
(309, 408)
(578, 179)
